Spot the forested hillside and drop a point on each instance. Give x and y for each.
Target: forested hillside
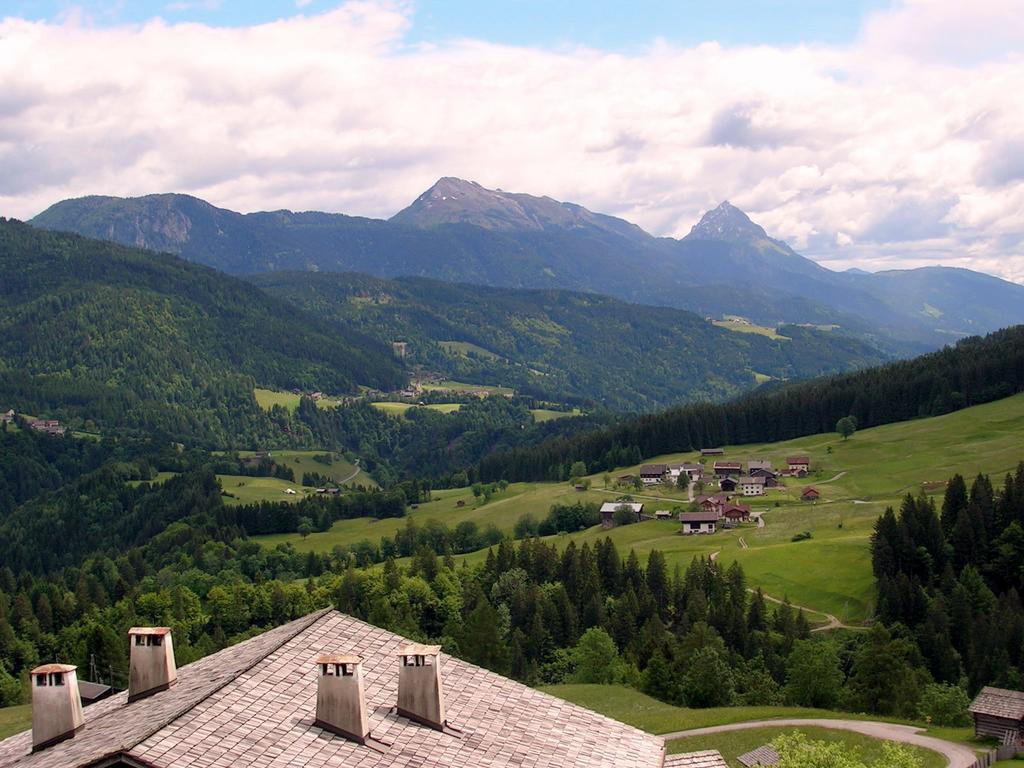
(976, 370)
(564, 346)
(116, 337)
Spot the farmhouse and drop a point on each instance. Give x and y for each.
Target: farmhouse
(693, 471)
(999, 713)
(698, 522)
(736, 513)
(728, 484)
(609, 508)
(759, 468)
(799, 465)
(751, 486)
(728, 468)
(324, 690)
(714, 503)
(810, 494)
(652, 474)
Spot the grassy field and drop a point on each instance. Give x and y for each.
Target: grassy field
(503, 510)
(736, 743)
(741, 325)
(629, 706)
(339, 469)
(249, 490)
(541, 415)
(461, 386)
(268, 398)
(466, 347)
(399, 409)
(831, 572)
(15, 720)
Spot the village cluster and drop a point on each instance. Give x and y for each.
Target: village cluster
(718, 510)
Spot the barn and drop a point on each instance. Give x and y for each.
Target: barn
(999, 713)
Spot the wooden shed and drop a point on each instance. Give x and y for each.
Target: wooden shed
(999, 713)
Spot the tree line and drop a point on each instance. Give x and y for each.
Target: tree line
(954, 576)
(975, 370)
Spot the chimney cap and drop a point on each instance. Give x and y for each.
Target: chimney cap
(149, 631)
(338, 658)
(46, 669)
(418, 649)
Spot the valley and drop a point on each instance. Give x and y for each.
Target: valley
(829, 573)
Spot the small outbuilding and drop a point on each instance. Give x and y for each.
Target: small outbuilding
(999, 713)
(712, 452)
(762, 756)
(810, 494)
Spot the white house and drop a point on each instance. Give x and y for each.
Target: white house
(751, 486)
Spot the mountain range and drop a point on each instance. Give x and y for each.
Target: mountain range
(458, 231)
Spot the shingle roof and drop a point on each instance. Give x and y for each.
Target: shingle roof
(765, 755)
(698, 517)
(707, 759)
(612, 506)
(254, 705)
(999, 702)
(113, 726)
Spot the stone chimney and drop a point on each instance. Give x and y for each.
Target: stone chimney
(420, 696)
(152, 662)
(340, 699)
(56, 705)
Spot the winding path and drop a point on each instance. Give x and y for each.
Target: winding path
(957, 755)
(832, 623)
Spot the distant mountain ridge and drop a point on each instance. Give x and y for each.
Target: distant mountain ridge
(459, 231)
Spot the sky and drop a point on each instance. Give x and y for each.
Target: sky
(874, 133)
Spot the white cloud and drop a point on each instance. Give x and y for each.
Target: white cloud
(895, 151)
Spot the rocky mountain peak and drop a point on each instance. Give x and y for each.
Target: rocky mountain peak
(727, 223)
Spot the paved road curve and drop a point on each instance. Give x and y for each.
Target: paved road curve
(957, 755)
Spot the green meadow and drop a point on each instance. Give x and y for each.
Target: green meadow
(831, 571)
(15, 720)
(339, 469)
(465, 348)
(399, 409)
(540, 415)
(268, 398)
(461, 386)
(732, 744)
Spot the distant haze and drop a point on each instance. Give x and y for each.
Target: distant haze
(900, 149)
